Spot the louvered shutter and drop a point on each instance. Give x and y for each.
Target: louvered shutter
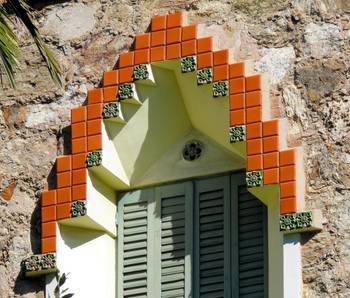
(212, 238)
(250, 243)
(174, 210)
(135, 242)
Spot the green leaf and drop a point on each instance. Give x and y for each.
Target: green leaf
(68, 295)
(22, 11)
(62, 280)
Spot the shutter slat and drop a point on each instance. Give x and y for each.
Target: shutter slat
(251, 239)
(211, 240)
(173, 246)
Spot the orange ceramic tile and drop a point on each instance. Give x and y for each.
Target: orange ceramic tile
(204, 44)
(110, 78)
(221, 57)
(253, 99)
(110, 93)
(48, 245)
(287, 157)
(287, 173)
(64, 179)
(126, 59)
(271, 144)
(126, 75)
(271, 160)
(78, 114)
(254, 130)
(288, 189)
(253, 83)
(78, 130)
(157, 54)
(220, 73)
(254, 163)
(64, 195)
(237, 70)
(79, 192)
(254, 146)
(48, 229)
(271, 176)
(48, 198)
(237, 101)
(95, 95)
(78, 161)
(142, 41)
(189, 48)
(63, 211)
(95, 143)
(142, 56)
(94, 127)
(94, 111)
(63, 163)
(253, 114)
(79, 145)
(189, 32)
(48, 213)
(237, 117)
(173, 35)
(158, 23)
(288, 205)
(158, 38)
(173, 51)
(205, 60)
(270, 128)
(79, 176)
(237, 85)
(174, 19)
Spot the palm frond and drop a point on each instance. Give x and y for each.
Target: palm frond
(22, 11)
(9, 49)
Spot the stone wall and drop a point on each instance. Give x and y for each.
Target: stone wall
(303, 44)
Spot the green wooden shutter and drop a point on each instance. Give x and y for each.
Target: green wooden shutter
(249, 243)
(212, 238)
(135, 242)
(174, 210)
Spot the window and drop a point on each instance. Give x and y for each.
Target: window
(203, 238)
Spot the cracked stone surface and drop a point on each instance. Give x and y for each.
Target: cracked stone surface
(304, 46)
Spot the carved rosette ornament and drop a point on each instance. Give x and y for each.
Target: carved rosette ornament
(141, 72)
(237, 133)
(110, 110)
(204, 76)
(295, 221)
(125, 91)
(254, 179)
(94, 159)
(188, 64)
(220, 88)
(78, 208)
(40, 262)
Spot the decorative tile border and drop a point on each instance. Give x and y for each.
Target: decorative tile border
(254, 179)
(204, 76)
(125, 91)
(78, 208)
(301, 222)
(266, 164)
(40, 264)
(94, 159)
(141, 72)
(237, 133)
(220, 88)
(110, 110)
(188, 64)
